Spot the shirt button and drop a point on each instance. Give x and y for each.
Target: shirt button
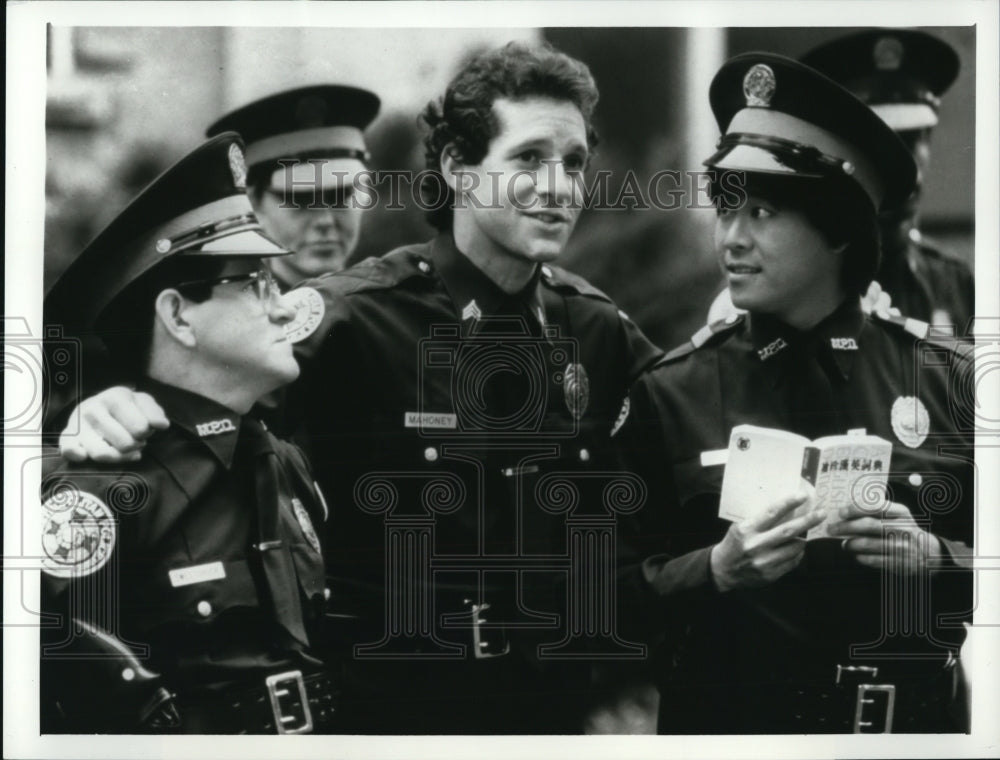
(326, 594)
(916, 479)
(204, 608)
(128, 674)
(430, 454)
(424, 267)
(584, 455)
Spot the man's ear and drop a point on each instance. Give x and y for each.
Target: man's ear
(171, 309)
(452, 168)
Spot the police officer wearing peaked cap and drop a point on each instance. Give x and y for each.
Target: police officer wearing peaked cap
(902, 74)
(188, 585)
(306, 158)
(759, 630)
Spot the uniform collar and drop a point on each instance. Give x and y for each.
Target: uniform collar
(474, 294)
(215, 425)
(838, 336)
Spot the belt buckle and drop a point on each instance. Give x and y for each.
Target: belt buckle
(864, 689)
(480, 646)
(286, 684)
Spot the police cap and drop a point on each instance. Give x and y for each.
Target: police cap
(323, 123)
(781, 117)
(900, 73)
(197, 208)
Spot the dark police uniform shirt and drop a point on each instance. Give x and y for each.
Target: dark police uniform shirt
(846, 373)
(176, 543)
(927, 283)
(430, 395)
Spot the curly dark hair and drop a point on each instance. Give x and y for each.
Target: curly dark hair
(463, 121)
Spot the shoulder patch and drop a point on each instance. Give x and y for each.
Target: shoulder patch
(309, 310)
(78, 533)
(559, 278)
(705, 335)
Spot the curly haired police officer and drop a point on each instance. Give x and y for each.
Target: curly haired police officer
(188, 586)
(762, 631)
(452, 392)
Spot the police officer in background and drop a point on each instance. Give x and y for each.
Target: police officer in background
(759, 630)
(481, 378)
(902, 74)
(306, 159)
(188, 585)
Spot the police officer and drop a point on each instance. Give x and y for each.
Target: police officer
(760, 630)
(188, 586)
(306, 172)
(465, 450)
(902, 74)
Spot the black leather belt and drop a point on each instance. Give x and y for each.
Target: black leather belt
(282, 703)
(905, 696)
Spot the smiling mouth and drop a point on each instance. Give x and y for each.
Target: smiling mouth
(742, 269)
(546, 217)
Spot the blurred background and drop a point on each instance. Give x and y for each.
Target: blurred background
(124, 103)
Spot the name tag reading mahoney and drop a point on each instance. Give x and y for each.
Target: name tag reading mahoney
(186, 576)
(430, 420)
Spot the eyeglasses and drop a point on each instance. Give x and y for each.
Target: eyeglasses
(261, 283)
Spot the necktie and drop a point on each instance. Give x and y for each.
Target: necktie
(273, 551)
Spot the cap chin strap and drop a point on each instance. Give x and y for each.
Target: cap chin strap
(802, 159)
(206, 233)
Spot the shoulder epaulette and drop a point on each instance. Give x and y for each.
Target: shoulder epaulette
(375, 273)
(557, 277)
(705, 335)
(915, 327)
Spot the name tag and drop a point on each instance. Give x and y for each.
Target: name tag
(430, 420)
(185, 576)
(844, 344)
(215, 427)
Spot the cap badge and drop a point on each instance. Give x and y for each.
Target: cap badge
(759, 85)
(238, 166)
(910, 421)
(309, 310)
(306, 524)
(78, 533)
(888, 54)
(576, 388)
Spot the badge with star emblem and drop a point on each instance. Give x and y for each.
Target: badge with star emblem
(78, 534)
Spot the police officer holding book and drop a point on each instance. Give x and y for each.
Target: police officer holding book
(186, 590)
(760, 630)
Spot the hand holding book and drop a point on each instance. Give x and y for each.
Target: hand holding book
(886, 539)
(759, 550)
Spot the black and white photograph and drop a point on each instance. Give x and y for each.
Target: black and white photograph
(549, 378)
